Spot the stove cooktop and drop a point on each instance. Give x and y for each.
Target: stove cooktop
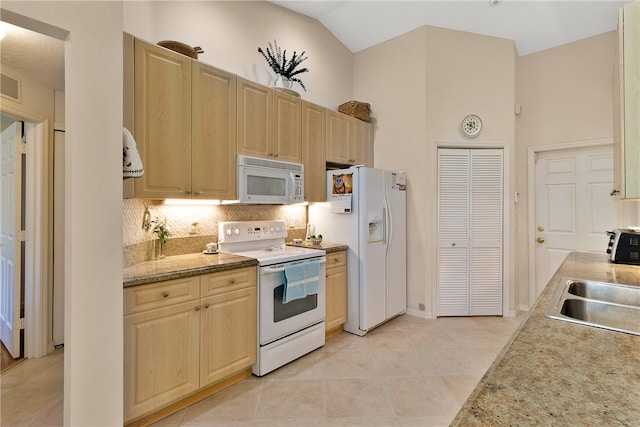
(280, 254)
(262, 240)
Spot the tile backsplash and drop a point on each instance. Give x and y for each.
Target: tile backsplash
(192, 227)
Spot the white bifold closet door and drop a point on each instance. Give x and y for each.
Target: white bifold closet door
(470, 231)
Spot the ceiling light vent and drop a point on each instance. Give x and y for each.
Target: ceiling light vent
(10, 87)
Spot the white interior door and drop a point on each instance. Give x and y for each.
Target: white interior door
(573, 206)
(470, 232)
(453, 232)
(10, 226)
(486, 232)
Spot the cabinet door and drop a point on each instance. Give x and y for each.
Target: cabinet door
(287, 127)
(214, 133)
(254, 119)
(162, 124)
(338, 138)
(361, 149)
(229, 340)
(313, 152)
(336, 311)
(618, 109)
(631, 104)
(161, 357)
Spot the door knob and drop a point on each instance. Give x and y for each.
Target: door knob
(540, 228)
(540, 240)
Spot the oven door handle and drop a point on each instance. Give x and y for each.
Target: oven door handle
(281, 269)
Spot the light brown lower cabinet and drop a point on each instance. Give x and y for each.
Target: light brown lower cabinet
(183, 335)
(336, 311)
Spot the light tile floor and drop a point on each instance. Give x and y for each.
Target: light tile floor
(407, 372)
(32, 392)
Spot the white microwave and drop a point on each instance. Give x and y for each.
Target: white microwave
(269, 181)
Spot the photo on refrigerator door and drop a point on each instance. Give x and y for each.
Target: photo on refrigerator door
(341, 192)
(343, 183)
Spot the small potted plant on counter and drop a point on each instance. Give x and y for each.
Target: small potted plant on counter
(286, 69)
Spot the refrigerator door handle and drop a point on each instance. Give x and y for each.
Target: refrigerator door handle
(384, 225)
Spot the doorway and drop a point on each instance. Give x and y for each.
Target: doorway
(12, 237)
(31, 310)
(570, 206)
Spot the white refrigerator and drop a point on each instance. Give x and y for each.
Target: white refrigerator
(366, 210)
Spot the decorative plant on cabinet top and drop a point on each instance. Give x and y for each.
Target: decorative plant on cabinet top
(283, 67)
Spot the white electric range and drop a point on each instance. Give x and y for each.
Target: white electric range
(286, 330)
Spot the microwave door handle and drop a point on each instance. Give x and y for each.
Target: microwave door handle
(292, 186)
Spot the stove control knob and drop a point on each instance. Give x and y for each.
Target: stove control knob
(236, 231)
(271, 228)
(228, 232)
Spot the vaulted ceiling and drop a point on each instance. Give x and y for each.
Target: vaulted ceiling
(533, 25)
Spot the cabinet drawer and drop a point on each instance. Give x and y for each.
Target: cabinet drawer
(336, 259)
(225, 281)
(162, 294)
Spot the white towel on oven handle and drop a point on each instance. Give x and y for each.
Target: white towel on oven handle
(300, 280)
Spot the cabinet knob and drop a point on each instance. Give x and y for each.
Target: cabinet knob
(187, 191)
(540, 240)
(196, 192)
(196, 308)
(206, 306)
(232, 281)
(275, 154)
(165, 294)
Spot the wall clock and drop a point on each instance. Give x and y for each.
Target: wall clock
(471, 125)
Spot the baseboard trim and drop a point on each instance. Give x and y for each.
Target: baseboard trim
(419, 313)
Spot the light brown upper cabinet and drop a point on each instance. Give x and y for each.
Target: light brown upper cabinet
(361, 142)
(349, 140)
(269, 123)
(287, 127)
(313, 151)
(627, 103)
(254, 119)
(184, 124)
(213, 151)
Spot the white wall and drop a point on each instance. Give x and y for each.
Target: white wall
(230, 33)
(420, 86)
(567, 96)
(397, 94)
(93, 323)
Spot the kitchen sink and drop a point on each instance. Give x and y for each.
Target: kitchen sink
(608, 292)
(604, 305)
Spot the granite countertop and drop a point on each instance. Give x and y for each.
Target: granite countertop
(174, 267)
(327, 247)
(554, 372)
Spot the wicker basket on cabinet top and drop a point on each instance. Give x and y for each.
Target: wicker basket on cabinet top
(359, 110)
